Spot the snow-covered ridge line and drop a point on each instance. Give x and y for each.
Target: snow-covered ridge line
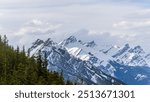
(87, 59)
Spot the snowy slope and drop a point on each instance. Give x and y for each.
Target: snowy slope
(91, 63)
(131, 56)
(74, 62)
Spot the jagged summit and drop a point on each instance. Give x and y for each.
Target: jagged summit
(96, 64)
(147, 56)
(137, 49)
(122, 50)
(38, 42)
(71, 39)
(90, 44)
(49, 42)
(35, 44)
(127, 45)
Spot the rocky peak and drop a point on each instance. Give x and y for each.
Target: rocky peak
(49, 42)
(37, 43)
(71, 39)
(137, 49)
(122, 50)
(90, 44)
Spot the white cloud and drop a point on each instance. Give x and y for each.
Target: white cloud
(1, 14)
(33, 30)
(35, 22)
(64, 2)
(7, 4)
(101, 38)
(132, 24)
(36, 27)
(115, 19)
(1, 28)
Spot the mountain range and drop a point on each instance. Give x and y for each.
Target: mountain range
(91, 63)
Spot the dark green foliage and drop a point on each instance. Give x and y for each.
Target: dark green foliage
(69, 82)
(18, 69)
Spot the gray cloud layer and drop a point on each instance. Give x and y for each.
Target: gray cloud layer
(124, 20)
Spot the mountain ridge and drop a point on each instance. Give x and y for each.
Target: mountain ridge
(96, 61)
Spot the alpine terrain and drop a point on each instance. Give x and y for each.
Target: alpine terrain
(91, 63)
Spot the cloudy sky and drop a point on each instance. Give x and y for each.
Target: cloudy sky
(105, 21)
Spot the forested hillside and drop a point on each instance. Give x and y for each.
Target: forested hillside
(17, 68)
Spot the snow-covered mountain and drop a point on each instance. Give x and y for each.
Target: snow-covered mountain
(92, 63)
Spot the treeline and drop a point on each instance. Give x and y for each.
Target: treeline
(16, 68)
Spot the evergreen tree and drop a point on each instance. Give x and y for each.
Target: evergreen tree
(69, 82)
(18, 69)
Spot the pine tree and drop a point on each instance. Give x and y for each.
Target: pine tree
(5, 40)
(69, 82)
(18, 69)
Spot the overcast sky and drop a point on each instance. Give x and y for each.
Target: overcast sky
(106, 21)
